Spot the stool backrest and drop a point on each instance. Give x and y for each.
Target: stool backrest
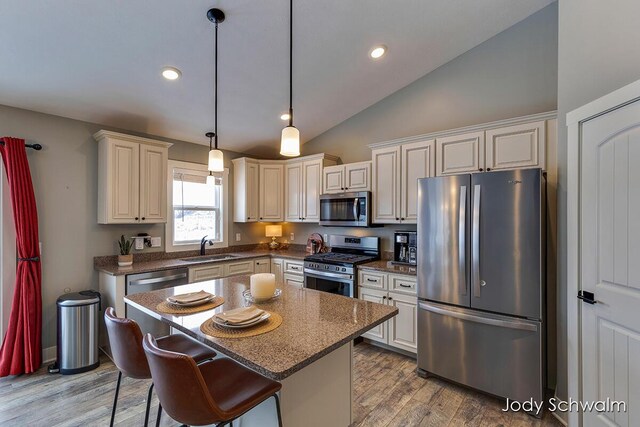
(125, 340)
(180, 386)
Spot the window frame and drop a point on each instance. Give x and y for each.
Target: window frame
(224, 208)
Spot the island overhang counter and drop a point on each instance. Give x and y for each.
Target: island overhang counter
(310, 353)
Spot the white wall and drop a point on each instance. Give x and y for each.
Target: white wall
(599, 51)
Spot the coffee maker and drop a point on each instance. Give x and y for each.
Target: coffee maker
(405, 247)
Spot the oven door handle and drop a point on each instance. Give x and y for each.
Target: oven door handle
(323, 275)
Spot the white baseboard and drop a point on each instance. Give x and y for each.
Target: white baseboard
(49, 354)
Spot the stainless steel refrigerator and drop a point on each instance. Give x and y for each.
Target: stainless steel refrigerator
(481, 281)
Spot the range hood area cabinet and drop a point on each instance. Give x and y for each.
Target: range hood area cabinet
(396, 171)
(132, 179)
(279, 190)
(352, 177)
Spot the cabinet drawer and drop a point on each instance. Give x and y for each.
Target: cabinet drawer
(293, 267)
(198, 274)
(372, 279)
(294, 279)
(262, 265)
(402, 283)
(241, 267)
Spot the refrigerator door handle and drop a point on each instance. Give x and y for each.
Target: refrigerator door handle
(512, 324)
(475, 249)
(462, 232)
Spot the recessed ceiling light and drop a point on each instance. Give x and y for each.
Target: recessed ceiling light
(378, 51)
(171, 73)
(285, 116)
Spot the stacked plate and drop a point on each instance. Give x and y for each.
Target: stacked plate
(191, 299)
(243, 317)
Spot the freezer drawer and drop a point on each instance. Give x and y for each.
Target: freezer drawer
(496, 354)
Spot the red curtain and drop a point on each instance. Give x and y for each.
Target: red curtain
(21, 350)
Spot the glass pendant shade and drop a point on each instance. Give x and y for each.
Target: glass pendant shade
(211, 180)
(216, 161)
(290, 143)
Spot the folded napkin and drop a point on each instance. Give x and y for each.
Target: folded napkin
(190, 297)
(240, 315)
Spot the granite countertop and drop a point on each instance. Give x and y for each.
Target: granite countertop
(389, 267)
(314, 324)
(110, 266)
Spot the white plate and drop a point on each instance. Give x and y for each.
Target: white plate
(260, 319)
(247, 295)
(194, 303)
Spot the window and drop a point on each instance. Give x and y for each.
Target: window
(197, 208)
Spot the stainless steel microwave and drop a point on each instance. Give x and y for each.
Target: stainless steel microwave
(346, 209)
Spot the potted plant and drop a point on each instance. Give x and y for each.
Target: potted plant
(126, 257)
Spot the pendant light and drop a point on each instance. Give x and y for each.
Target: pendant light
(216, 157)
(290, 142)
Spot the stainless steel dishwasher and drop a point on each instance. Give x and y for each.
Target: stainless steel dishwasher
(145, 282)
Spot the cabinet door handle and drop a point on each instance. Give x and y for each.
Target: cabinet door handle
(143, 218)
(488, 169)
(384, 297)
(480, 169)
(402, 285)
(390, 298)
(136, 218)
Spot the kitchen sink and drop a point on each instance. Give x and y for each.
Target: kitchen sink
(209, 258)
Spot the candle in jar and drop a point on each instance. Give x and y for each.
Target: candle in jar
(263, 285)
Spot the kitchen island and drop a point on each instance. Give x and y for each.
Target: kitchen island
(310, 353)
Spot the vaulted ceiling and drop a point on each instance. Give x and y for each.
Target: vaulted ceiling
(100, 61)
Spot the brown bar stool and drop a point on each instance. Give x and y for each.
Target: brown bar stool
(125, 339)
(216, 392)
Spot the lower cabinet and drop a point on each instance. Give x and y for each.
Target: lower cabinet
(400, 331)
(294, 279)
(262, 265)
(288, 271)
(276, 268)
(219, 270)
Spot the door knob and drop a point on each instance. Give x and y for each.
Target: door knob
(483, 283)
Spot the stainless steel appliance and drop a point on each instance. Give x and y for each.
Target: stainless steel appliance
(346, 209)
(335, 271)
(145, 282)
(405, 247)
(481, 281)
(77, 345)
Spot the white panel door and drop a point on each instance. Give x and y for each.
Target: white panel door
(403, 328)
(271, 192)
(460, 154)
(418, 161)
(386, 185)
(357, 176)
(124, 181)
(311, 188)
(333, 179)
(516, 147)
(610, 267)
(277, 269)
(379, 333)
(293, 193)
(153, 187)
(252, 189)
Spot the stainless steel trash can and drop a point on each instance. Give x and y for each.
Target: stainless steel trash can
(78, 320)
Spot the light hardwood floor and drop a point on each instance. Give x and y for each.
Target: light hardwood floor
(387, 392)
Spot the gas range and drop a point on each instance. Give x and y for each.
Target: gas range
(335, 271)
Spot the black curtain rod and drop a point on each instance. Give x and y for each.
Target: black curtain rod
(36, 147)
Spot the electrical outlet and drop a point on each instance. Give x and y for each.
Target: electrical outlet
(238, 237)
(156, 242)
(139, 243)
(326, 238)
(292, 237)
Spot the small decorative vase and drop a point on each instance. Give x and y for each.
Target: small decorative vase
(125, 260)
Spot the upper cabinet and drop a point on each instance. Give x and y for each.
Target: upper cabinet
(516, 147)
(460, 153)
(396, 171)
(351, 177)
(246, 178)
(271, 186)
(132, 179)
(303, 186)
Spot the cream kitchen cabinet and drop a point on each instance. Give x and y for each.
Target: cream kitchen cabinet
(303, 185)
(292, 272)
(277, 265)
(460, 153)
(262, 265)
(271, 200)
(398, 290)
(246, 178)
(352, 177)
(396, 171)
(516, 147)
(221, 269)
(132, 177)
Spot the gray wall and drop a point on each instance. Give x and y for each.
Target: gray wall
(65, 182)
(598, 53)
(512, 74)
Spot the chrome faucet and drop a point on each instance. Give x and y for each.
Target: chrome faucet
(203, 242)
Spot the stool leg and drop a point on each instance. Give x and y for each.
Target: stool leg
(115, 399)
(146, 414)
(159, 414)
(275, 396)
